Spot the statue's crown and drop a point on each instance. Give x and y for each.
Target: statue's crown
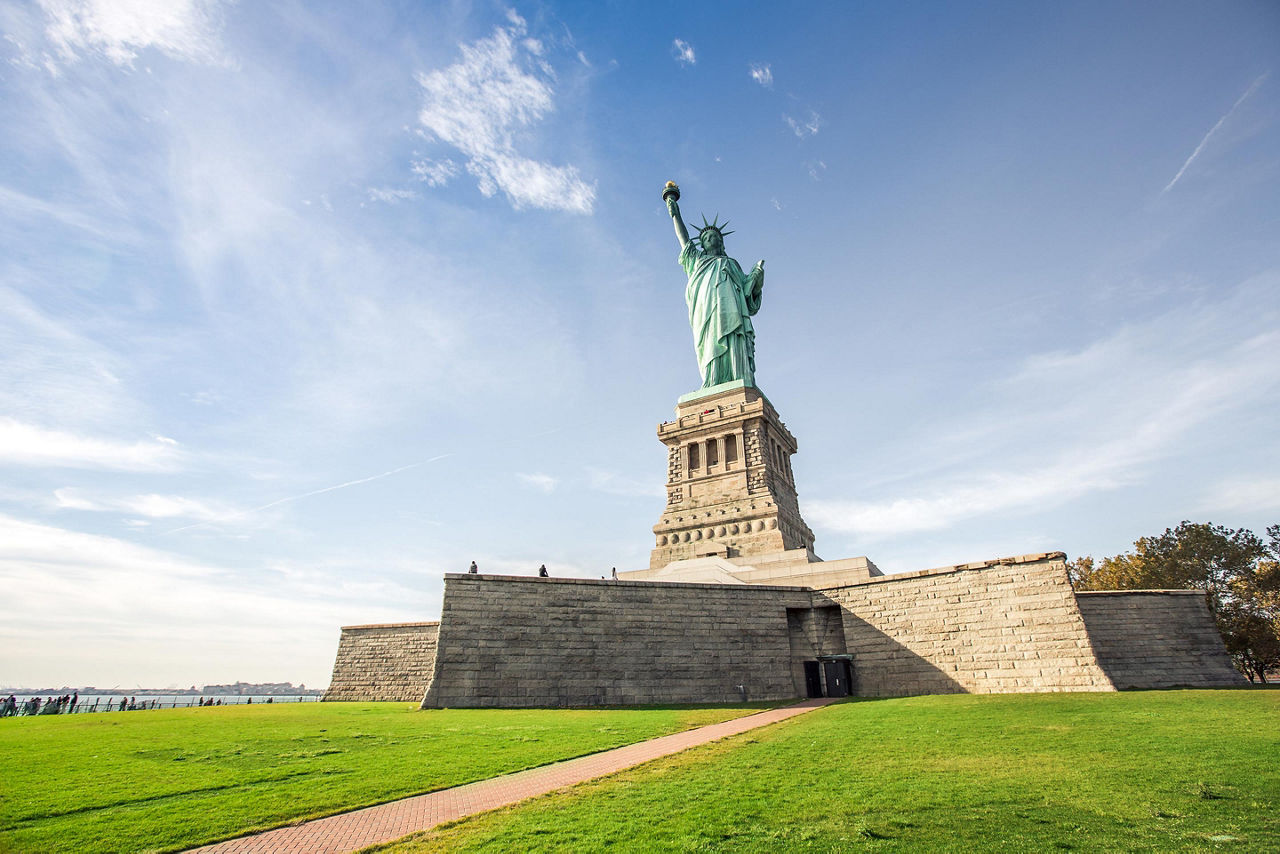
(715, 225)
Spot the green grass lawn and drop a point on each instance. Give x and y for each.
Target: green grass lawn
(170, 779)
(1141, 771)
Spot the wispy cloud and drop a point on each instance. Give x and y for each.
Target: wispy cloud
(182, 29)
(28, 445)
(52, 373)
(683, 52)
(390, 195)
(537, 480)
(289, 499)
(117, 598)
(361, 334)
(1253, 87)
(501, 85)
(986, 494)
(762, 74)
(434, 173)
(148, 506)
(806, 126)
(28, 207)
(344, 485)
(1135, 397)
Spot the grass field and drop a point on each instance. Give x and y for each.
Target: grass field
(1142, 771)
(170, 779)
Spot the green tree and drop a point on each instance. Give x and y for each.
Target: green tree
(1252, 616)
(1237, 570)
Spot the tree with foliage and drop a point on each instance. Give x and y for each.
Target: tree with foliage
(1252, 616)
(1239, 572)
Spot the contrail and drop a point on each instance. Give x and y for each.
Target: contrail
(1247, 92)
(279, 501)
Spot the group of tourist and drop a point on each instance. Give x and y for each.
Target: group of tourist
(69, 703)
(66, 704)
(35, 706)
(542, 571)
(209, 701)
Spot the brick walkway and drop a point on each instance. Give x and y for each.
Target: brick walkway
(354, 830)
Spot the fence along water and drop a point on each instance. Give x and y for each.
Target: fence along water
(91, 703)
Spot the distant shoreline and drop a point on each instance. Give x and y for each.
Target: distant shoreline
(210, 691)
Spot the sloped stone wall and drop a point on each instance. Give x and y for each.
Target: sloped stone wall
(995, 627)
(517, 641)
(1012, 625)
(384, 662)
(1157, 639)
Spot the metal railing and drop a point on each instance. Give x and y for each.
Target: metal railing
(26, 706)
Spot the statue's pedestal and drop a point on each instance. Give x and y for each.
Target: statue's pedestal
(730, 490)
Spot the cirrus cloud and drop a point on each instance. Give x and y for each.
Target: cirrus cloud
(501, 85)
(119, 29)
(1148, 387)
(148, 506)
(26, 444)
(806, 126)
(683, 52)
(538, 480)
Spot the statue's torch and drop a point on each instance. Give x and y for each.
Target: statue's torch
(671, 191)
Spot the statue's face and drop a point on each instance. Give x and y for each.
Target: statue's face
(712, 242)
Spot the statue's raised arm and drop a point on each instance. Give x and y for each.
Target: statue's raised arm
(721, 299)
(671, 195)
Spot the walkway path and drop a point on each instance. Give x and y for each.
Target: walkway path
(354, 830)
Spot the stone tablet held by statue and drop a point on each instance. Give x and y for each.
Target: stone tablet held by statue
(721, 299)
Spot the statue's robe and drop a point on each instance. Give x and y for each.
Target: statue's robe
(721, 300)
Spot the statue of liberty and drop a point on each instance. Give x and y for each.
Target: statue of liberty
(721, 299)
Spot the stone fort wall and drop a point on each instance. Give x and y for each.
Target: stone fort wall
(1157, 639)
(992, 627)
(384, 662)
(1012, 625)
(518, 641)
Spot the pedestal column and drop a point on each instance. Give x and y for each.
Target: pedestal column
(730, 489)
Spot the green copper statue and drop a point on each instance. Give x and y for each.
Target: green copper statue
(721, 299)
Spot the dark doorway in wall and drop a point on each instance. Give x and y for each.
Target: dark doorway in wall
(839, 677)
(812, 679)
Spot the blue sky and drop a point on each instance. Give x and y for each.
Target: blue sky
(305, 304)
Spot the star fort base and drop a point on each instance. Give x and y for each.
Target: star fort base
(735, 605)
